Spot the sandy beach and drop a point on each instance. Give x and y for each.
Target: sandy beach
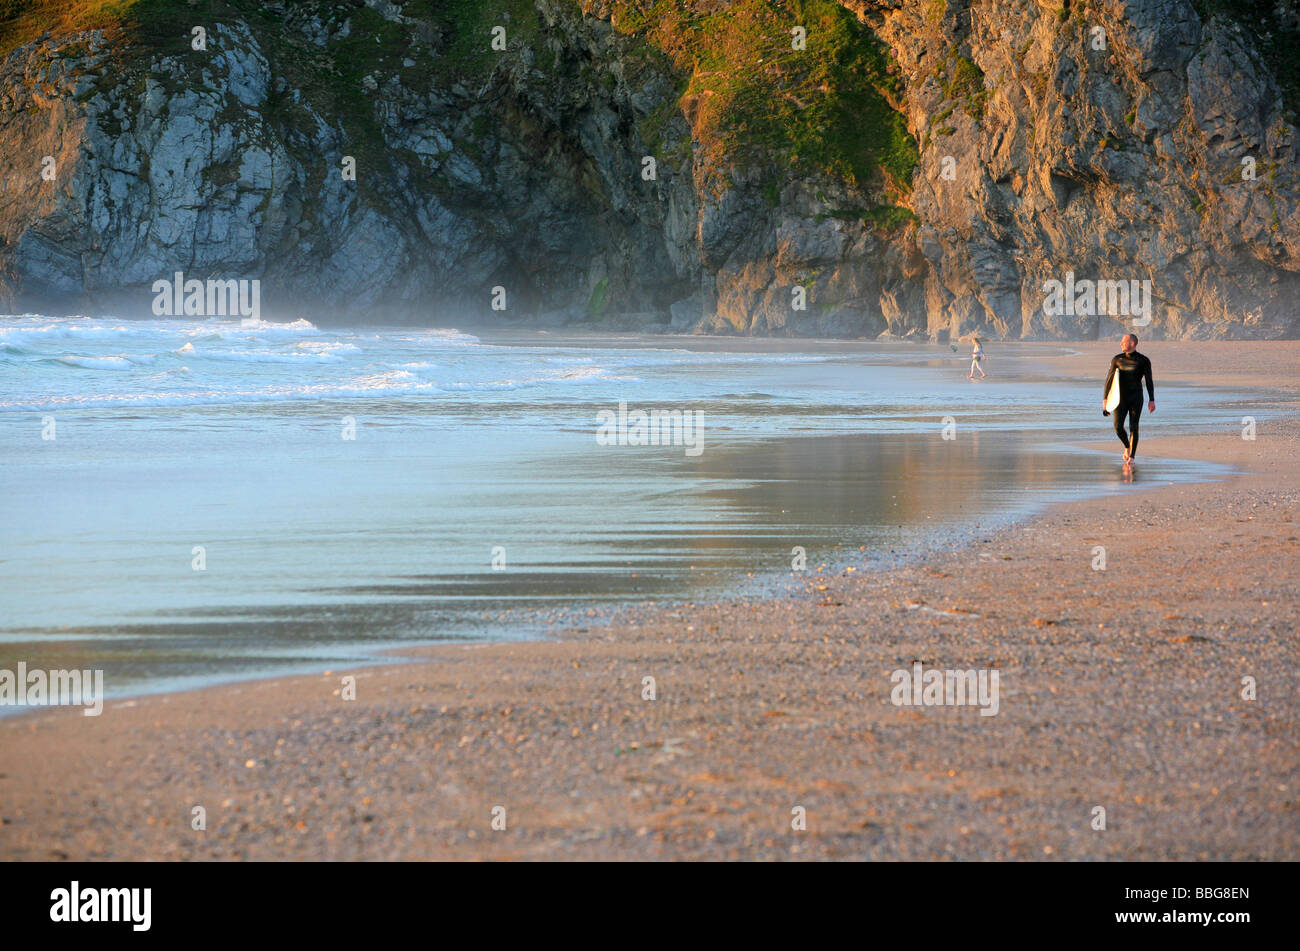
(1120, 688)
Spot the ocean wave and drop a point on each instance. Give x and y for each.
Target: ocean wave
(592, 374)
(632, 359)
(441, 335)
(361, 387)
(38, 333)
(386, 379)
(37, 329)
(266, 356)
(393, 383)
(98, 363)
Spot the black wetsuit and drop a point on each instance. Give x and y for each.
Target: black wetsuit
(1133, 368)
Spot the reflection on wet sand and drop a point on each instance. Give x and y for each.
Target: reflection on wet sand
(683, 529)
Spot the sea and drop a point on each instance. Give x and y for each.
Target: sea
(186, 502)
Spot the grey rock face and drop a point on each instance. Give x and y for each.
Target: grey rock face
(212, 163)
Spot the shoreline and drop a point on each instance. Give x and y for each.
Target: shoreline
(761, 706)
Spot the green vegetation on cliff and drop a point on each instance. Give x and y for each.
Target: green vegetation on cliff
(964, 81)
(752, 95)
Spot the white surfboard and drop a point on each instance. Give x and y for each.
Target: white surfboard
(1112, 398)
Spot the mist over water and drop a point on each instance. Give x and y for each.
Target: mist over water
(321, 550)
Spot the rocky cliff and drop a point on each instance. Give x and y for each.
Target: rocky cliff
(921, 167)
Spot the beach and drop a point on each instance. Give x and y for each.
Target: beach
(1121, 688)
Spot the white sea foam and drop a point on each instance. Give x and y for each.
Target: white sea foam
(299, 326)
(328, 346)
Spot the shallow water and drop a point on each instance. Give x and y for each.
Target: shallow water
(321, 550)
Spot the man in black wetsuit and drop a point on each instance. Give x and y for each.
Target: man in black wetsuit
(1133, 368)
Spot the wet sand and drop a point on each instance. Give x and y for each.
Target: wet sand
(1120, 688)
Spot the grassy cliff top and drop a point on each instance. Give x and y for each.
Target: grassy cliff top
(799, 80)
(22, 21)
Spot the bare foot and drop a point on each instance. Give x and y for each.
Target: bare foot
(1126, 459)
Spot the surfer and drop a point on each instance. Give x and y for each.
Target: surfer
(976, 359)
(1122, 394)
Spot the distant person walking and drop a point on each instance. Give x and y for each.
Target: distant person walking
(1122, 394)
(976, 361)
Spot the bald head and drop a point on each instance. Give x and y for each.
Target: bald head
(1128, 343)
